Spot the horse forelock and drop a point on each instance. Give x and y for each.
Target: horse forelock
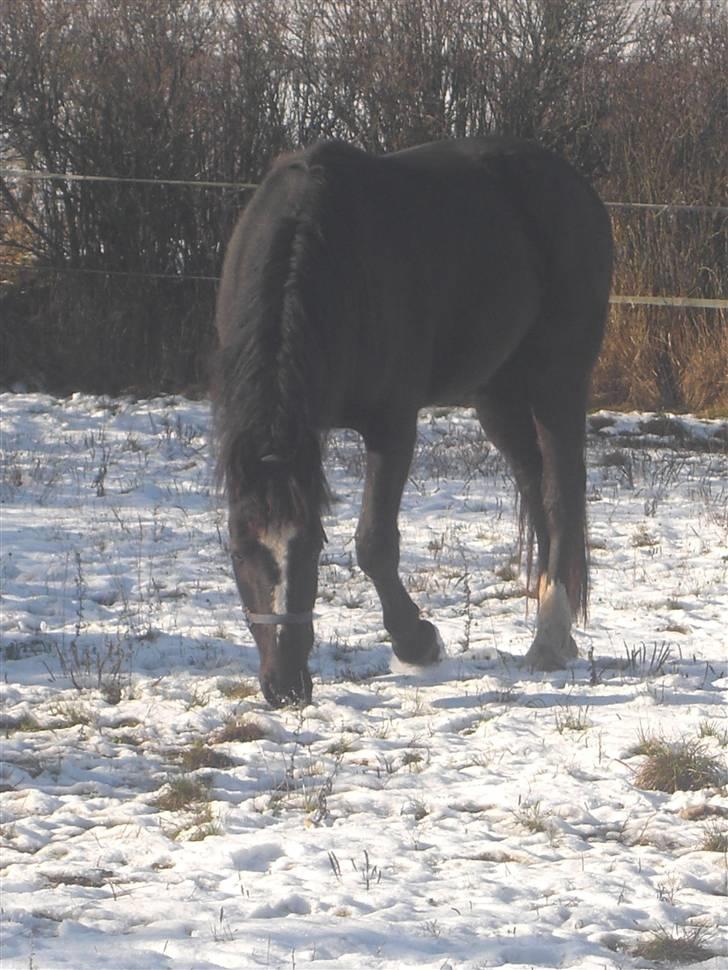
(274, 499)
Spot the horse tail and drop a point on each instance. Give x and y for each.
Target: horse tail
(268, 372)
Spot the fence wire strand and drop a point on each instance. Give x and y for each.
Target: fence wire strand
(123, 180)
(208, 184)
(616, 298)
(619, 299)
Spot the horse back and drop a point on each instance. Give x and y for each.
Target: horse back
(417, 274)
(522, 256)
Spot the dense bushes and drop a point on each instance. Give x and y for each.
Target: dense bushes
(184, 91)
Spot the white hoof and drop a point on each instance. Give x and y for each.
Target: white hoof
(553, 645)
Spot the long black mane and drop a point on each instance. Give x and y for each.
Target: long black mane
(268, 373)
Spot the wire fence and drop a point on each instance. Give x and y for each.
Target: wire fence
(122, 180)
(661, 208)
(201, 183)
(616, 298)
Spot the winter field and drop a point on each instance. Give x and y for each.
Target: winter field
(156, 814)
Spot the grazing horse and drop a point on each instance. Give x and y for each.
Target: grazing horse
(357, 289)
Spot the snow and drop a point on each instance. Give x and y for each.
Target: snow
(472, 815)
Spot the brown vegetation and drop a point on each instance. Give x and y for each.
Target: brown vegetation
(633, 94)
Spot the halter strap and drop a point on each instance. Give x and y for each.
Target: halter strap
(279, 619)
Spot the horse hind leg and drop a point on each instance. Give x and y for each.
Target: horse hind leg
(559, 412)
(542, 440)
(505, 414)
(414, 640)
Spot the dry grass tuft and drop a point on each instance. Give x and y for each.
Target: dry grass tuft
(672, 766)
(684, 945)
(201, 755)
(182, 794)
(189, 798)
(572, 719)
(651, 362)
(533, 818)
(666, 358)
(238, 729)
(714, 729)
(715, 838)
(238, 690)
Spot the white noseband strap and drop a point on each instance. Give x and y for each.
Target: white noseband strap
(279, 619)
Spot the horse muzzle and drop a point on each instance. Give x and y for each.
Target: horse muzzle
(286, 688)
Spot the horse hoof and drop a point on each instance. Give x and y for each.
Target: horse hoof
(294, 692)
(546, 655)
(422, 648)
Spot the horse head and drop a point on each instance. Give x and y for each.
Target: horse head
(275, 560)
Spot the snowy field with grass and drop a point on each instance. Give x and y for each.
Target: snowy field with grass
(157, 815)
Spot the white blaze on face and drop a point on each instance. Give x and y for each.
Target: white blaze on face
(277, 542)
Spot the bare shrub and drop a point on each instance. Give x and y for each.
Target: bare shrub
(632, 93)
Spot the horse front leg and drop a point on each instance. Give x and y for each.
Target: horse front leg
(414, 640)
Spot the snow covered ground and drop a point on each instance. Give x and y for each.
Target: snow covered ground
(156, 814)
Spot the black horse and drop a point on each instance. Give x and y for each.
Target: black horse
(358, 289)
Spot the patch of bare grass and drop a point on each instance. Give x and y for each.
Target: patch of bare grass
(71, 714)
(685, 944)
(646, 662)
(671, 766)
(183, 793)
(572, 719)
(238, 690)
(642, 538)
(713, 729)
(202, 755)
(188, 797)
(238, 729)
(24, 724)
(654, 359)
(715, 838)
(534, 818)
(92, 879)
